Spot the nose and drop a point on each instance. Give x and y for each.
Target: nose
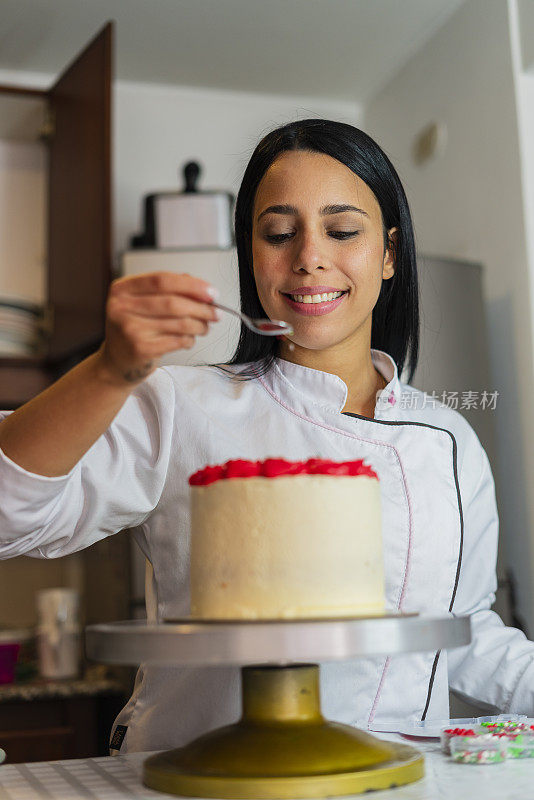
(308, 256)
(307, 270)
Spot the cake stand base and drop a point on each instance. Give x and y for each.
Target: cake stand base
(282, 747)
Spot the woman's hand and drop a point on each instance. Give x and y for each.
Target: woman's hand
(150, 315)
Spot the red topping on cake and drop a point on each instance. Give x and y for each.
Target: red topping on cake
(241, 469)
(207, 475)
(274, 467)
(277, 467)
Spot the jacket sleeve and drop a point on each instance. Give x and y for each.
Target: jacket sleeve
(497, 668)
(115, 485)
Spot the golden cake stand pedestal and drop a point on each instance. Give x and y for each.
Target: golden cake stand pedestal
(282, 747)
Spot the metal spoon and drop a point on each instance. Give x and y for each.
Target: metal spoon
(265, 327)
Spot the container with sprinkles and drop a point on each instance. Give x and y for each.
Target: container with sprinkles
(448, 733)
(484, 749)
(507, 725)
(521, 745)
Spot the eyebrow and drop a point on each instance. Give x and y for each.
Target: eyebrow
(324, 212)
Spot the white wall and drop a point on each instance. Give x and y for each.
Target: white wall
(468, 205)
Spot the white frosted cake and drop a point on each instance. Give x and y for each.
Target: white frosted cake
(279, 539)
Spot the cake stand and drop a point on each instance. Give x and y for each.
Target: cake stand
(282, 747)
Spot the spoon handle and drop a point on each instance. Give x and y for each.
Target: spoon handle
(243, 317)
(230, 310)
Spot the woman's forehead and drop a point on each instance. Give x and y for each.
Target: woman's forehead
(311, 179)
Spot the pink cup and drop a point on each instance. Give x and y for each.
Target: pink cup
(8, 658)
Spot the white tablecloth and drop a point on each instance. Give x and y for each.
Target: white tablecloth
(119, 778)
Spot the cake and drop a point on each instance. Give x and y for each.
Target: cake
(277, 539)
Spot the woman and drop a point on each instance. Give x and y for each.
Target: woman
(321, 211)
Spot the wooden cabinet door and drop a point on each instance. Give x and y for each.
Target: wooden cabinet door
(79, 200)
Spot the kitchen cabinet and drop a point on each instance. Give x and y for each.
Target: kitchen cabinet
(73, 119)
(50, 721)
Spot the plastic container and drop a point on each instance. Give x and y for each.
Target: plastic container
(9, 652)
(58, 633)
(11, 640)
(507, 727)
(432, 728)
(485, 749)
(449, 733)
(521, 745)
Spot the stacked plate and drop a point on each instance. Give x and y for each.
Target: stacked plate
(20, 327)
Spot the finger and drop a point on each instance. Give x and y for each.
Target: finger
(166, 306)
(150, 348)
(181, 327)
(166, 283)
(166, 344)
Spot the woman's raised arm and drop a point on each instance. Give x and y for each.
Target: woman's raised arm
(146, 316)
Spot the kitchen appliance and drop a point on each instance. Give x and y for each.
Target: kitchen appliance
(454, 353)
(187, 219)
(454, 367)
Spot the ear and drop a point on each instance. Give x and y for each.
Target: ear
(390, 256)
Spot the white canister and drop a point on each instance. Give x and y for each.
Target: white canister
(58, 633)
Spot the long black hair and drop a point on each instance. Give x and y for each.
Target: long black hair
(395, 320)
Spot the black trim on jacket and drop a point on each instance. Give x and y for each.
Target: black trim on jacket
(460, 511)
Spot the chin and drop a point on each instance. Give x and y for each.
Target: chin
(315, 343)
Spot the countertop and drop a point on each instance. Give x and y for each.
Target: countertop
(42, 689)
(119, 778)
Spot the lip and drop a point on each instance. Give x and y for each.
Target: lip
(314, 309)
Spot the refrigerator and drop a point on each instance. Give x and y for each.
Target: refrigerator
(454, 361)
(454, 364)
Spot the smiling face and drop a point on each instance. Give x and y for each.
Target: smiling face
(318, 250)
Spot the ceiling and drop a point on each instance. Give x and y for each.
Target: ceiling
(341, 49)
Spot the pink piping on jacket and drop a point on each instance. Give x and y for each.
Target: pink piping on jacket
(409, 552)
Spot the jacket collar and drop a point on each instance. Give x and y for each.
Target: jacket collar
(294, 383)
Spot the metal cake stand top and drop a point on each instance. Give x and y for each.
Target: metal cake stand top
(194, 642)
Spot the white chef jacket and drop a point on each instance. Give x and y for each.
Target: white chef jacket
(439, 516)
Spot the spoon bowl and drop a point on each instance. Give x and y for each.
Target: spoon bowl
(265, 327)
